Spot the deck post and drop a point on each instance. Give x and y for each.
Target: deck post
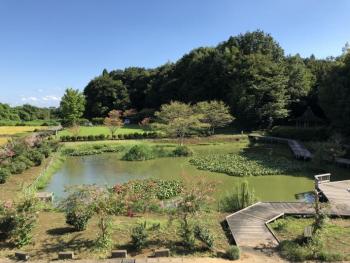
(321, 179)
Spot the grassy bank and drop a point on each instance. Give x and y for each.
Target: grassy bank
(333, 241)
(53, 166)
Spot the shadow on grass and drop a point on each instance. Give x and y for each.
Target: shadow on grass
(78, 244)
(60, 231)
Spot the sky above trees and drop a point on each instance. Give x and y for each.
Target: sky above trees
(47, 46)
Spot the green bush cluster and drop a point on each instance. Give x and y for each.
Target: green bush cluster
(294, 251)
(25, 157)
(203, 234)
(144, 195)
(17, 220)
(4, 174)
(246, 164)
(233, 253)
(183, 150)
(101, 137)
(299, 133)
(139, 152)
(93, 149)
(142, 152)
(139, 236)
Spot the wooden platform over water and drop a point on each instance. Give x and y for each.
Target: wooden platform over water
(249, 226)
(338, 195)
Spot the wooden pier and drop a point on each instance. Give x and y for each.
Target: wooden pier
(249, 226)
(298, 149)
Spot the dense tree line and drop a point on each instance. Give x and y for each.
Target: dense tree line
(249, 72)
(26, 112)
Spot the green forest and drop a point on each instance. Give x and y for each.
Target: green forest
(249, 72)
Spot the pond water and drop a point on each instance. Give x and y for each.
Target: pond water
(108, 169)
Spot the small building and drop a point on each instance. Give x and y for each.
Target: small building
(308, 119)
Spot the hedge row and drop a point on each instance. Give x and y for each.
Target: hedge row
(101, 137)
(299, 133)
(25, 158)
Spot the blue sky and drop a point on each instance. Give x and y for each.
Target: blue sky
(47, 46)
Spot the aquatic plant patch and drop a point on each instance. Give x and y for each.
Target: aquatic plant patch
(246, 164)
(92, 149)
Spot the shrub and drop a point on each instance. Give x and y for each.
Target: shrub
(19, 219)
(4, 174)
(182, 150)
(90, 137)
(101, 137)
(45, 149)
(17, 167)
(299, 133)
(121, 136)
(293, 251)
(78, 219)
(139, 236)
(203, 234)
(140, 152)
(97, 121)
(238, 199)
(25, 160)
(36, 157)
(233, 253)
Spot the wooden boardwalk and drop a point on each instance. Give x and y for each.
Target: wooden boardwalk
(298, 149)
(249, 226)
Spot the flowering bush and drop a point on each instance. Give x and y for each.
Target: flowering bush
(17, 220)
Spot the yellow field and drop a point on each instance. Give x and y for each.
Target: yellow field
(3, 140)
(11, 130)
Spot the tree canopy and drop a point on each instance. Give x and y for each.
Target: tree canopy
(72, 106)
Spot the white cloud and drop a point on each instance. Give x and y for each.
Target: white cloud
(42, 101)
(51, 98)
(29, 98)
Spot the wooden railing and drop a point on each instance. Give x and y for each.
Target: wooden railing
(322, 178)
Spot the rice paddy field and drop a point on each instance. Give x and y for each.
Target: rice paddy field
(17, 130)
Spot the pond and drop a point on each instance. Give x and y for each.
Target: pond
(108, 169)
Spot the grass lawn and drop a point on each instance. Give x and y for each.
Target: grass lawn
(97, 130)
(335, 235)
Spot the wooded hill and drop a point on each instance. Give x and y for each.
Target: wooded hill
(249, 72)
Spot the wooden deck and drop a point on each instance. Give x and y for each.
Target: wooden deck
(249, 226)
(338, 195)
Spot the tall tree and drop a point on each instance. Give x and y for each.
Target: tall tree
(104, 94)
(335, 95)
(215, 113)
(178, 120)
(72, 106)
(299, 84)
